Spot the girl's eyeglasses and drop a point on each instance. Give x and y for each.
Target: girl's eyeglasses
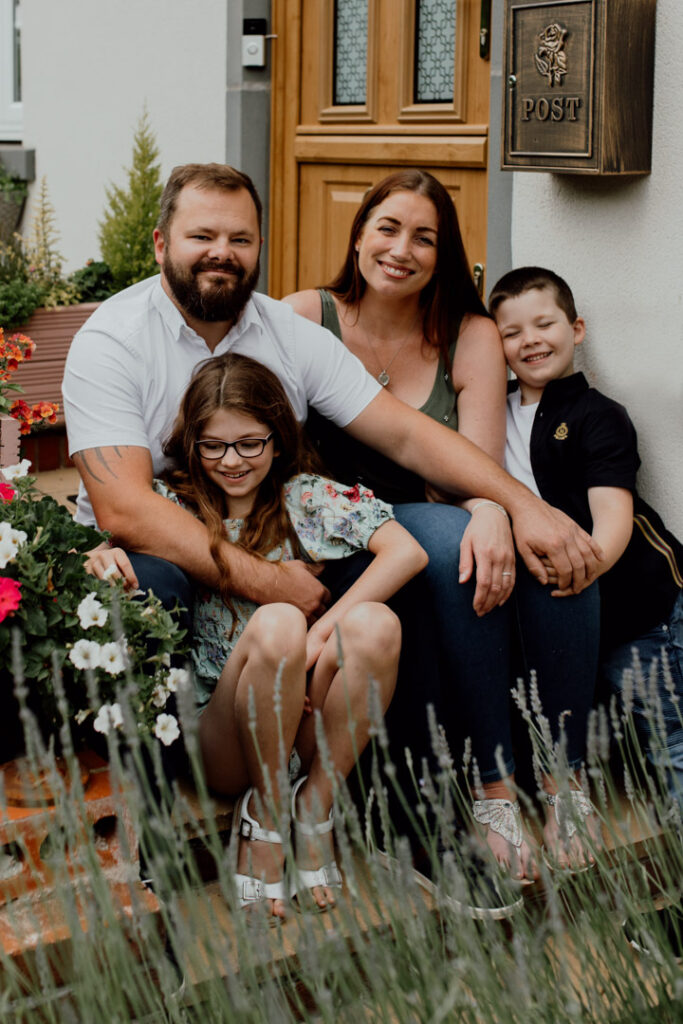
(246, 447)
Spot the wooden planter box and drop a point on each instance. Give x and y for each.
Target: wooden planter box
(9, 441)
(52, 330)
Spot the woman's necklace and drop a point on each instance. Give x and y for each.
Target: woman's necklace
(383, 375)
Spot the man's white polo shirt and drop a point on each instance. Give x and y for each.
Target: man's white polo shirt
(131, 362)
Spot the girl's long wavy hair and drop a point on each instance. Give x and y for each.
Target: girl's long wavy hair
(451, 293)
(242, 385)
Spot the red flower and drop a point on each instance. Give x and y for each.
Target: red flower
(10, 598)
(7, 492)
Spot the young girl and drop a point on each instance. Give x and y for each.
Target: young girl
(243, 469)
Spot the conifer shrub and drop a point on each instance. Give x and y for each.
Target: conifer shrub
(125, 232)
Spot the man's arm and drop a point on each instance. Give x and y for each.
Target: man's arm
(119, 484)
(455, 464)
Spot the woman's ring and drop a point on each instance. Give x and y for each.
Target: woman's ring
(506, 574)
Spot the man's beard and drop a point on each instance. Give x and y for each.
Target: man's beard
(214, 301)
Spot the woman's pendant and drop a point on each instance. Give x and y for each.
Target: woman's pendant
(383, 378)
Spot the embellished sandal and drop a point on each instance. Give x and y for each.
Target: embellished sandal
(251, 890)
(504, 817)
(569, 808)
(329, 874)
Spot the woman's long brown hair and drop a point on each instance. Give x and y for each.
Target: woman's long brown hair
(242, 385)
(451, 293)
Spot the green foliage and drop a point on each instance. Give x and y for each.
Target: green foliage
(18, 300)
(45, 261)
(12, 188)
(31, 269)
(126, 229)
(94, 281)
(41, 549)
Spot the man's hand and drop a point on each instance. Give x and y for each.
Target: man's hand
(487, 542)
(296, 583)
(545, 533)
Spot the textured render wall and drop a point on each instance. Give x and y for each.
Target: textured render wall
(619, 244)
(89, 67)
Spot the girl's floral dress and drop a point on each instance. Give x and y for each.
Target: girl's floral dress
(330, 519)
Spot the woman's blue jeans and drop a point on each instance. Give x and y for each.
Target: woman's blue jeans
(558, 638)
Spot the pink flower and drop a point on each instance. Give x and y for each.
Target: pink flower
(6, 492)
(10, 597)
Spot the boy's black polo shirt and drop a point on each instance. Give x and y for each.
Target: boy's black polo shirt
(582, 439)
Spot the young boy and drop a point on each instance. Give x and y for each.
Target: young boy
(577, 449)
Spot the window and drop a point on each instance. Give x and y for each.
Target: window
(10, 71)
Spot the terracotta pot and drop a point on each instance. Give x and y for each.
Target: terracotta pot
(9, 441)
(52, 330)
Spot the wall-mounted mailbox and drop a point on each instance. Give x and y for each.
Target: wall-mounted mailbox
(578, 79)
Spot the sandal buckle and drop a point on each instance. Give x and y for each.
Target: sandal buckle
(253, 890)
(246, 829)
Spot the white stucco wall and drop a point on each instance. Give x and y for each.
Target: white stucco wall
(88, 69)
(619, 244)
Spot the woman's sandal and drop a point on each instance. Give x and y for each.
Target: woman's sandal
(329, 875)
(566, 816)
(251, 890)
(504, 817)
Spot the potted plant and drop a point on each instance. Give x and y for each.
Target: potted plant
(58, 622)
(16, 415)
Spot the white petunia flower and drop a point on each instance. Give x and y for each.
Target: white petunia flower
(108, 717)
(14, 472)
(112, 658)
(177, 677)
(10, 542)
(160, 695)
(85, 654)
(166, 729)
(91, 612)
(7, 551)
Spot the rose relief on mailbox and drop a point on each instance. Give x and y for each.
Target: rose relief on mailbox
(578, 85)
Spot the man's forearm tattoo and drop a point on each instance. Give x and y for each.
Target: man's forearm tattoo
(87, 462)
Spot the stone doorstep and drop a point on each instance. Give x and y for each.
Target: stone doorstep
(41, 920)
(31, 828)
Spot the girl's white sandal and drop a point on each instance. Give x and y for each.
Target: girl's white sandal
(251, 890)
(329, 874)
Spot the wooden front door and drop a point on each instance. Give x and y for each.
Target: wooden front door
(361, 88)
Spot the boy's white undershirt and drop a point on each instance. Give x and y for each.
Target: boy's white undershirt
(520, 420)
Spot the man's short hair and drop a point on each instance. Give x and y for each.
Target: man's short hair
(523, 279)
(216, 176)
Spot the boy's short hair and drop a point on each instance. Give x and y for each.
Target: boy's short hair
(523, 279)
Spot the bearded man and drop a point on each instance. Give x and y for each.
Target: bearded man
(131, 362)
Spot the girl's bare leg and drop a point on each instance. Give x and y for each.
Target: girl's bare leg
(273, 641)
(370, 642)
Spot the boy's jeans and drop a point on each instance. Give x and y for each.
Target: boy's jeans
(657, 711)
